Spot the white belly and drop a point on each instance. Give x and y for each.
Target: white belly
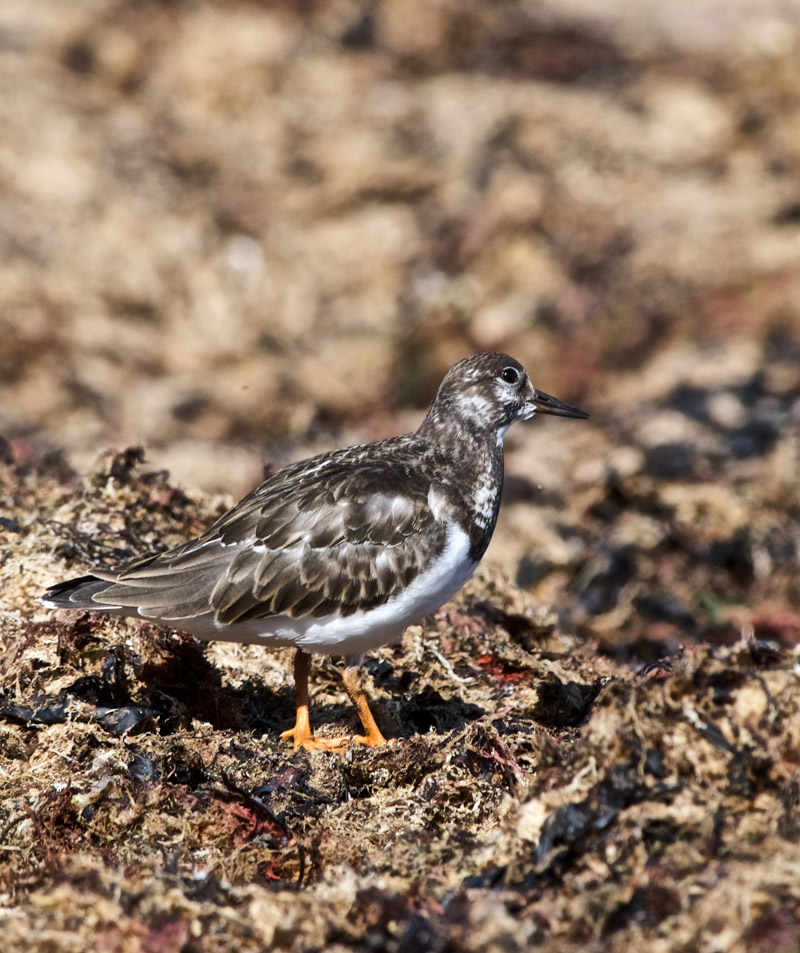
(361, 631)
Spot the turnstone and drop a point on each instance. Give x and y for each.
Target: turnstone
(339, 553)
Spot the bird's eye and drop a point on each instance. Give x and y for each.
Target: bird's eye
(510, 375)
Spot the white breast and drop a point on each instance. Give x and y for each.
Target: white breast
(361, 631)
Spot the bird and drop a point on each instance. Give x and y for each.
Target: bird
(339, 553)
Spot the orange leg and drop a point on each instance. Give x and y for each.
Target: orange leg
(303, 736)
(352, 682)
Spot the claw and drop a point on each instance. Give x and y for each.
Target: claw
(306, 739)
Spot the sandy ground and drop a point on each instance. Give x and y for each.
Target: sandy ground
(237, 233)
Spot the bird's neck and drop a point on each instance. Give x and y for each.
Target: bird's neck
(470, 463)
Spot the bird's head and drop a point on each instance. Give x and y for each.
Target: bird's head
(488, 392)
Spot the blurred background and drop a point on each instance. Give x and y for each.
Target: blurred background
(240, 232)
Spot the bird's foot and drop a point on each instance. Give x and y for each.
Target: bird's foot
(372, 740)
(308, 740)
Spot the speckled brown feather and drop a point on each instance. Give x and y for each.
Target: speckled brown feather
(335, 535)
(342, 532)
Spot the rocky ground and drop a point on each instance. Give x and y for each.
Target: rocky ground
(235, 233)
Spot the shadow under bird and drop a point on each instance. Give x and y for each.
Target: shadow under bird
(339, 553)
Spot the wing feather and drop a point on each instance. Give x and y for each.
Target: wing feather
(333, 535)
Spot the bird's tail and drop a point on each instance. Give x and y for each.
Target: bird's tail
(79, 593)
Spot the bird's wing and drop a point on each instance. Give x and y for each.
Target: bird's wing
(313, 541)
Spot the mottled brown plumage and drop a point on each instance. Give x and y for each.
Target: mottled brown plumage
(340, 552)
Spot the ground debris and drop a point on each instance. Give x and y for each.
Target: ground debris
(534, 791)
(238, 230)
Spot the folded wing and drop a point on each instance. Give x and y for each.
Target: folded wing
(334, 539)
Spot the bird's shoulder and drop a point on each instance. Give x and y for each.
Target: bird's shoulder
(375, 493)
